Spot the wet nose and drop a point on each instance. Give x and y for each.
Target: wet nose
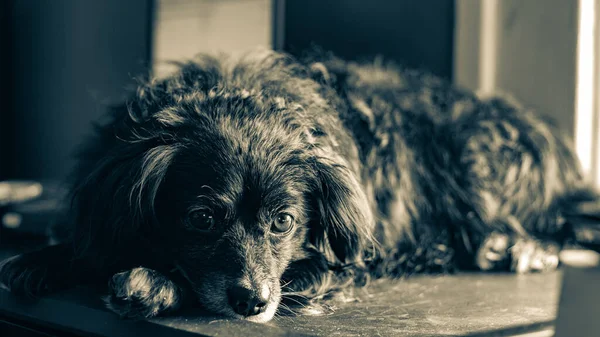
(247, 302)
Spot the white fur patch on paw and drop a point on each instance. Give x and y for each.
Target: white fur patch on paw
(493, 251)
(522, 255)
(142, 293)
(534, 256)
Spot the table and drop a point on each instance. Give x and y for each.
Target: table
(472, 304)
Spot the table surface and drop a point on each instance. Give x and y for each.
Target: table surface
(453, 305)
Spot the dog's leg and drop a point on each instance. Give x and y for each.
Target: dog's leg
(519, 254)
(303, 281)
(144, 293)
(431, 251)
(40, 272)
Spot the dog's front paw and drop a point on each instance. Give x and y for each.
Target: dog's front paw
(22, 276)
(534, 256)
(493, 253)
(142, 293)
(522, 255)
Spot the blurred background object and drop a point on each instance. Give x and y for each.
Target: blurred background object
(12, 192)
(68, 60)
(29, 213)
(578, 307)
(184, 28)
(419, 34)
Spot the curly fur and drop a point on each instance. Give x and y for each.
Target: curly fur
(386, 171)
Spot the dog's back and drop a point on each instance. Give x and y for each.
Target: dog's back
(449, 171)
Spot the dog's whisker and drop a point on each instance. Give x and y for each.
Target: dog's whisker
(286, 284)
(296, 301)
(294, 294)
(288, 311)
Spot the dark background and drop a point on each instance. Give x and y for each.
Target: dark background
(417, 33)
(65, 60)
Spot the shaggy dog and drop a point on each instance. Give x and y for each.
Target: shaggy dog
(236, 184)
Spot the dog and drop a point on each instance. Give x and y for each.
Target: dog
(238, 184)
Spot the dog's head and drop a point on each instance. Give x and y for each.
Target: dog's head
(234, 173)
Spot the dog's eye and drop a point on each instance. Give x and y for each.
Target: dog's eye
(282, 224)
(203, 220)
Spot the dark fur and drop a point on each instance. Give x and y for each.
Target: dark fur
(386, 172)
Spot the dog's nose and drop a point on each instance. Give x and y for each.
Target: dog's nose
(246, 302)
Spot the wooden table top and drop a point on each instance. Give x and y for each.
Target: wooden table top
(453, 305)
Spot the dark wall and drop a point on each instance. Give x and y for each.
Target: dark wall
(6, 95)
(68, 60)
(418, 33)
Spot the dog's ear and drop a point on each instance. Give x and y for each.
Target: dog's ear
(344, 220)
(124, 164)
(113, 202)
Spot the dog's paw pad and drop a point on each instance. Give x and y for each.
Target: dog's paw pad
(141, 293)
(493, 252)
(534, 256)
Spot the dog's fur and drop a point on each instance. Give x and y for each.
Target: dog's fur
(385, 172)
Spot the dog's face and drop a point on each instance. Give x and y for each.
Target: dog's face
(237, 186)
(238, 207)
